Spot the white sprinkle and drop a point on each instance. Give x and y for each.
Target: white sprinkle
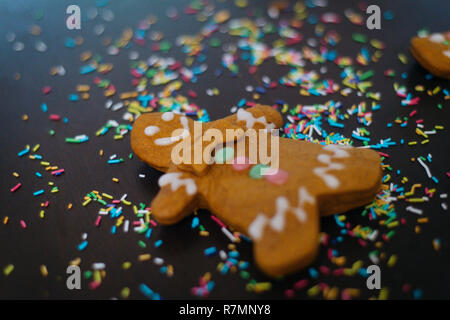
(228, 234)
(117, 106)
(425, 167)
(126, 226)
(158, 261)
(98, 266)
(414, 210)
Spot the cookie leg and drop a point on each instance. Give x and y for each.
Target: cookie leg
(279, 252)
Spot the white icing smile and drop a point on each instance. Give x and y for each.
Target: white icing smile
(169, 140)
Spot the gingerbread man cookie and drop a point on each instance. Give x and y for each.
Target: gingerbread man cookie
(433, 53)
(279, 210)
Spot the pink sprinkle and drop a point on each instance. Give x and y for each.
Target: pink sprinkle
(54, 117)
(412, 113)
(279, 177)
(46, 89)
(383, 154)
(153, 222)
(17, 186)
(300, 284)
(217, 220)
(97, 222)
(241, 163)
(94, 285)
(23, 224)
(362, 242)
(324, 269)
(289, 293)
(345, 295)
(57, 171)
(338, 272)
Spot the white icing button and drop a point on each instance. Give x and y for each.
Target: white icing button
(167, 116)
(437, 37)
(151, 130)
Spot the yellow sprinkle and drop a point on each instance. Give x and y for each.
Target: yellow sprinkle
(384, 294)
(392, 261)
(45, 163)
(69, 206)
(15, 174)
(439, 127)
(8, 269)
(125, 202)
(85, 203)
(415, 200)
(118, 137)
(75, 262)
(393, 224)
(425, 141)
(97, 276)
(436, 244)
(422, 220)
(125, 293)
(115, 180)
(101, 152)
(42, 214)
(36, 147)
(144, 257)
(107, 196)
(44, 270)
(5, 220)
(203, 233)
(170, 270)
(417, 229)
(313, 291)
(412, 143)
(126, 265)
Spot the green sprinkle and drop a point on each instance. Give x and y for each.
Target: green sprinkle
(142, 244)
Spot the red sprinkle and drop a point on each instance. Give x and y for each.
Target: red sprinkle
(17, 186)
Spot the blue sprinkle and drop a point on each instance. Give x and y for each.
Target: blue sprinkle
(210, 251)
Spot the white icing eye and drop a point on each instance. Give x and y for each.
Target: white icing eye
(167, 116)
(151, 130)
(437, 37)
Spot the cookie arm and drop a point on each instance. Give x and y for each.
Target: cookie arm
(177, 197)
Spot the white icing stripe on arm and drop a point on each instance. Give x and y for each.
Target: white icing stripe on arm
(173, 179)
(338, 152)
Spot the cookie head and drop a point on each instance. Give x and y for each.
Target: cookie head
(155, 134)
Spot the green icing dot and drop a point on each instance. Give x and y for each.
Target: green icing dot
(255, 172)
(224, 154)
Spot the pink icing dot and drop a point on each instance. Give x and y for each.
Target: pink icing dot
(241, 163)
(279, 177)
